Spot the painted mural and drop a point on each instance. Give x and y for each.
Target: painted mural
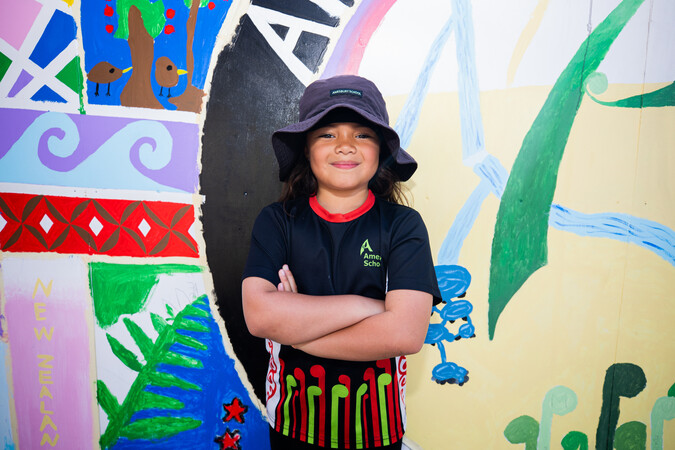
(135, 156)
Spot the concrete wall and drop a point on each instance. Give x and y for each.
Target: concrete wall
(135, 155)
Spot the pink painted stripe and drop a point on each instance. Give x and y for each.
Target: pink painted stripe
(51, 377)
(348, 53)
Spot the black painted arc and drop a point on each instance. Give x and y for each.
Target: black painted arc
(303, 9)
(252, 94)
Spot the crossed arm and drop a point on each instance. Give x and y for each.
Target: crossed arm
(347, 327)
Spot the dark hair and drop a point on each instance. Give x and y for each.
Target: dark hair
(385, 184)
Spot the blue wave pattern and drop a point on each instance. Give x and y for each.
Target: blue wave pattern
(650, 235)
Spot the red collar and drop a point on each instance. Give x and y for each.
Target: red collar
(338, 218)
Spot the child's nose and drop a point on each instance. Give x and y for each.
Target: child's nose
(345, 144)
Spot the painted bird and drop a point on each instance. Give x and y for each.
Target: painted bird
(167, 74)
(104, 72)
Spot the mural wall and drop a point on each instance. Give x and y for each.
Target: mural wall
(135, 156)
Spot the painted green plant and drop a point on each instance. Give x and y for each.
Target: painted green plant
(519, 246)
(621, 380)
(155, 354)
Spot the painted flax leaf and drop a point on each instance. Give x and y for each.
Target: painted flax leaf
(125, 355)
(150, 400)
(141, 339)
(106, 399)
(658, 98)
(159, 427)
(519, 245)
(176, 359)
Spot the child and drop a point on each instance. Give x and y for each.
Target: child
(339, 278)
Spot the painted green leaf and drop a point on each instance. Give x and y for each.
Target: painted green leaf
(523, 430)
(190, 342)
(195, 312)
(631, 436)
(519, 246)
(202, 3)
(167, 380)
(575, 440)
(176, 359)
(141, 339)
(125, 355)
(658, 98)
(191, 325)
(159, 427)
(106, 399)
(158, 323)
(150, 400)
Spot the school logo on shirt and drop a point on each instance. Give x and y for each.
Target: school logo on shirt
(370, 258)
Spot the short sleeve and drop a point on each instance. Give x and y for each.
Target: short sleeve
(410, 264)
(268, 250)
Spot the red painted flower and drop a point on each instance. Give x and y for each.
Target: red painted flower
(169, 29)
(170, 13)
(109, 28)
(212, 5)
(108, 11)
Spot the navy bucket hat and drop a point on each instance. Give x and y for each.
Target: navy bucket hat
(351, 92)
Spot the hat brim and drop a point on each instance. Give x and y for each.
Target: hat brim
(289, 142)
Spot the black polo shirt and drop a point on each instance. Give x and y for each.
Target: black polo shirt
(378, 247)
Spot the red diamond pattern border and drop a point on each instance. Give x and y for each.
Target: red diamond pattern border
(40, 223)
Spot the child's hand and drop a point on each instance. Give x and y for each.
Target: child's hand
(287, 281)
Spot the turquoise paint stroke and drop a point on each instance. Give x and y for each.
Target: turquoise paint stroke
(519, 246)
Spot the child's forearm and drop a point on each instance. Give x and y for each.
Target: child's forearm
(400, 330)
(290, 318)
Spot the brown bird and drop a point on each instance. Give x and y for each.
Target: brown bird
(167, 74)
(104, 72)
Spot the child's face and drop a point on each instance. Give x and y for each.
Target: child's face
(343, 156)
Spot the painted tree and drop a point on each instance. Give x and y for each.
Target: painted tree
(191, 99)
(140, 22)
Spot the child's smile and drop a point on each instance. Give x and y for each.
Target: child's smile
(344, 156)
